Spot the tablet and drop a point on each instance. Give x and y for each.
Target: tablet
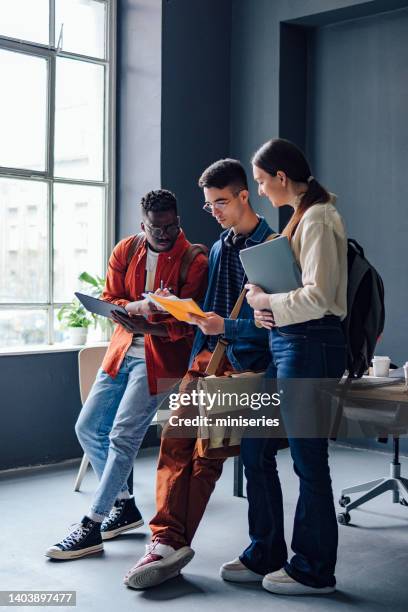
(272, 266)
(99, 307)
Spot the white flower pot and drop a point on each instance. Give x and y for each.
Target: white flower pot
(77, 335)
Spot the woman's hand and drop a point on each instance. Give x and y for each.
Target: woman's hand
(256, 297)
(264, 318)
(211, 325)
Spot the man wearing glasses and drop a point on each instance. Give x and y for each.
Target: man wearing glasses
(185, 481)
(127, 390)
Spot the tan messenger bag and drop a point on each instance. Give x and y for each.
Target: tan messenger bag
(222, 441)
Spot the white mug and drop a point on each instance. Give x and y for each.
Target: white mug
(381, 365)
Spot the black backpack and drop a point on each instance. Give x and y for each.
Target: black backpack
(365, 310)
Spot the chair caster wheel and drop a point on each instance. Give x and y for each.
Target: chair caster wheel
(404, 502)
(343, 518)
(344, 500)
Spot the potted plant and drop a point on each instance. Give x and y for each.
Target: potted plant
(76, 319)
(95, 286)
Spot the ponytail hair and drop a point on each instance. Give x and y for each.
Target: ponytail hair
(281, 154)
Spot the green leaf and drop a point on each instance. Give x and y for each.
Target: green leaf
(87, 278)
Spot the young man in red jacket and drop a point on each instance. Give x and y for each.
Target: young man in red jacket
(125, 395)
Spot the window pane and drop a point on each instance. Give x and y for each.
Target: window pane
(24, 19)
(60, 335)
(23, 241)
(23, 327)
(79, 120)
(83, 24)
(78, 236)
(23, 110)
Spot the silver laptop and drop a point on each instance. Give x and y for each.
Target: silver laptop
(272, 266)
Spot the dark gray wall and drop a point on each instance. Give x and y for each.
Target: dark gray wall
(227, 88)
(257, 70)
(358, 135)
(340, 92)
(139, 108)
(39, 406)
(195, 103)
(346, 107)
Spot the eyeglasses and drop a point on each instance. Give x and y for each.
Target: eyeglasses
(221, 204)
(171, 230)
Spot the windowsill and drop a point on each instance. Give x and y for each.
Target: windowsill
(46, 348)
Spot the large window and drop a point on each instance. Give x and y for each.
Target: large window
(56, 158)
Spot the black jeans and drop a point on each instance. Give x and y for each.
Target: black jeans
(315, 349)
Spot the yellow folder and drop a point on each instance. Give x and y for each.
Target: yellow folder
(179, 308)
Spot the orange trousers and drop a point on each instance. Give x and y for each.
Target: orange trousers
(185, 481)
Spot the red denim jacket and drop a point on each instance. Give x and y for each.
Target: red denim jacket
(166, 357)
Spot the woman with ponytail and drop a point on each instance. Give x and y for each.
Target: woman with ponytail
(306, 342)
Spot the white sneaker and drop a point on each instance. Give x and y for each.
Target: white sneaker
(235, 571)
(281, 583)
(159, 563)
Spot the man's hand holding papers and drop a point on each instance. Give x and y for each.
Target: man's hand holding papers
(212, 325)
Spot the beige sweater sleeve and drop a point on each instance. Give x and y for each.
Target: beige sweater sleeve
(321, 259)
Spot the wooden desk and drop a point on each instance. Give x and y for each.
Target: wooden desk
(396, 392)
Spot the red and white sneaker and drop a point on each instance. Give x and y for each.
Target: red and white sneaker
(159, 563)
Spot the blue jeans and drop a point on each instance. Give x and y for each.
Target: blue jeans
(314, 349)
(111, 427)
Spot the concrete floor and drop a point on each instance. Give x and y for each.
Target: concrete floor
(38, 507)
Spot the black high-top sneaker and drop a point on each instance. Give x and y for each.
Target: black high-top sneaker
(84, 539)
(123, 517)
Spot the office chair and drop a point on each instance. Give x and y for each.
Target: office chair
(374, 420)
